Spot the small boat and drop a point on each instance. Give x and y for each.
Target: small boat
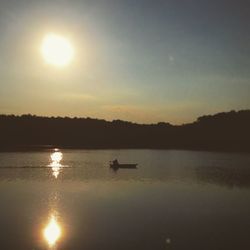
(116, 165)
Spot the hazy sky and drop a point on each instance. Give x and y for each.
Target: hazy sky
(136, 60)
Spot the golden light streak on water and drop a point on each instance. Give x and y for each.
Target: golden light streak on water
(55, 165)
(52, 231)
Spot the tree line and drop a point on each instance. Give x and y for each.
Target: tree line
(222, 131)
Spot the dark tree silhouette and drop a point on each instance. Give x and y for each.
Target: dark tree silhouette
(222, 131)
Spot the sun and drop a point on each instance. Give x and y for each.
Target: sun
(57, 50)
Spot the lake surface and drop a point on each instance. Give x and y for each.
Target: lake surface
(72, 200)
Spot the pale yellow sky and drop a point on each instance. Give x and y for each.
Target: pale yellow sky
(143, 65)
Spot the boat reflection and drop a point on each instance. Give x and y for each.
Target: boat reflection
(55, 164)
(52, 232)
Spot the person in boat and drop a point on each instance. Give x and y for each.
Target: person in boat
(115, 162)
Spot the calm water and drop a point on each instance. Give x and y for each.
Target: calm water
(70, 200)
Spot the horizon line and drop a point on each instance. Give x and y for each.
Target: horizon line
(125, 121)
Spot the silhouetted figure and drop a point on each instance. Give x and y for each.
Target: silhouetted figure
(115, 162)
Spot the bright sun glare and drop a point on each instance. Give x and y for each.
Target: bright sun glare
(57, 50)
(56, 157)
(52, 232)
(56, 166)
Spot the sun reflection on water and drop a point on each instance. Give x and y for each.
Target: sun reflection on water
(55, 164)
(56, 157)
(52, 232)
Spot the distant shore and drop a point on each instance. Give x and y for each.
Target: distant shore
(228, 131)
